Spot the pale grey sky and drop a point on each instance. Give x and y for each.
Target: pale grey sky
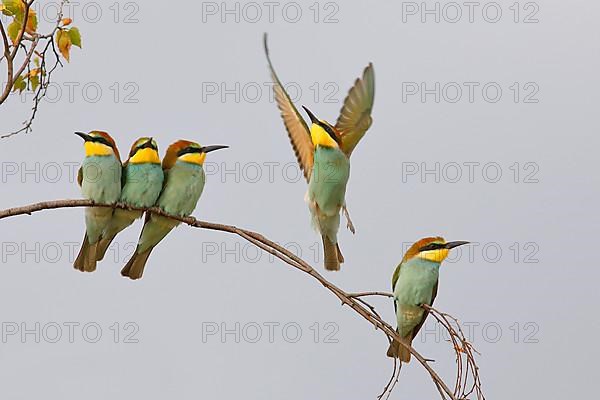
(483, 131)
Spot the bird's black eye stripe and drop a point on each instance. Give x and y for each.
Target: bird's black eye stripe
(188, 150)
(100, 139)
(432, 246)
(145, 145)
(329, 131)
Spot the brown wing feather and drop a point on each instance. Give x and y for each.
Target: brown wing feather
(355, 115)
(80, 175)
(295, 125)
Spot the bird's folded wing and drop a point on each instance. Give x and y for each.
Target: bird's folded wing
(426, 313)
(355, 116)
(297, 129)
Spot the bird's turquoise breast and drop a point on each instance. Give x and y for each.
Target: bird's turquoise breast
(416, 282)
(101, 178)
(143, 183)
(183, 188)
(329, 177)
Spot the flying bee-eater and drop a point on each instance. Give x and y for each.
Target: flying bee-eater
(100, 180)
(415, 282)
(323, 152)
(142, 182)
(184, 182)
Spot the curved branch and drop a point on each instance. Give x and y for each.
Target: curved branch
(268, 246)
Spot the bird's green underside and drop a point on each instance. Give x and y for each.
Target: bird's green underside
(327, 189)
(183, 187)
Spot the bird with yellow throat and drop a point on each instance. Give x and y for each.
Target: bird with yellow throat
(184, 183)
(142, 182)
(415, 282)
(323, 152)
(100, 181)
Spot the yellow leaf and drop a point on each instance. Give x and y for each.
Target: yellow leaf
(64, 43)
(32, 22)
(66, 21)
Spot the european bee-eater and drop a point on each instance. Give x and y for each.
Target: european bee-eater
(100, 180)
(142, 182)
(323, 152)
(415, 282)
(184, 182)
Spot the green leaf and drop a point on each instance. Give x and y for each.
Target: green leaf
(35, 82)
(75, 37)
(19, 84)
(14, 7)
(13, 30)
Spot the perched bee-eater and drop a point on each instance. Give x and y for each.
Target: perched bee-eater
(184, 182)
(100, 180)
(142, 182)
(415, 282)
(323, 152)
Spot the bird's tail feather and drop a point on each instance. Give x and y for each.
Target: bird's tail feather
(102, 246)
(86, 259)
(339, 253)
(330, 252)
(396, 350)
(134, 269)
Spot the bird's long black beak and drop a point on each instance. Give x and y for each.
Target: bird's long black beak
(312, 117)
(451, 245)
(208, 149)
(84, 136)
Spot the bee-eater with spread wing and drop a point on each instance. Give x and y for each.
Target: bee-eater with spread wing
(100, 180)
(323, 152)
(415, 282)
(184, 182)
(142, 182)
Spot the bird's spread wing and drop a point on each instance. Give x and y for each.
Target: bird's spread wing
(297, 129)
(355, 116)
(426, 313)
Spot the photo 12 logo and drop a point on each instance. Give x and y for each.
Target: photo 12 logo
(452, 12)
(269, 332)
(87, 92)
(254, 92)
(90, 12)
(68, 332)
(470, 172)
(470, 92)
(270, 11)
(486, 332)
